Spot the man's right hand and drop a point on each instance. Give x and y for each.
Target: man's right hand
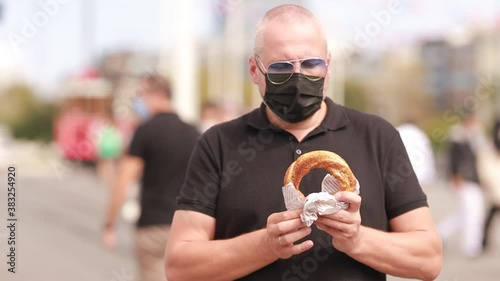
(457, 182)
(109, 238)
(283, 230)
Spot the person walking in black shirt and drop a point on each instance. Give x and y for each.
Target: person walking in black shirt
(466, 143)
(158, 156)
(489, 172)
(496, 134)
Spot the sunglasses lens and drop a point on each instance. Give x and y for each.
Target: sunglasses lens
(279, 72)
(314, 69)
(279, 78)
(280, 68)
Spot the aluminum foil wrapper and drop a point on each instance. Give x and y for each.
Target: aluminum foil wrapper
(317, 203)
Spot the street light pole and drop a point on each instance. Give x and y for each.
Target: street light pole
(234, 47)
(185, 76)
(88, 30)
(2, 7)
(336, 83)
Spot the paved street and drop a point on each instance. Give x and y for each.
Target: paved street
(58, 235)
(59, 224)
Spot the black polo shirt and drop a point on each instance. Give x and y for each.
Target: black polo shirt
(165, 143)
(236, 173)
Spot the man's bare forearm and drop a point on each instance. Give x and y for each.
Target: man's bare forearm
(219, 259)
(414, 254)
(116, 199)
(130, 170)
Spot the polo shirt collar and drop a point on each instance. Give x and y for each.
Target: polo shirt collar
(258, 118)
(335, 118)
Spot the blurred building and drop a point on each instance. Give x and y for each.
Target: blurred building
(459, 65)
(435, 57)
(393, 81)
(488, 59)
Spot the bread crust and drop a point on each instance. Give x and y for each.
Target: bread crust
(330, 161)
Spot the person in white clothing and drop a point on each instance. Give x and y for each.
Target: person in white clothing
(466, 139)
(419, 149)
(489, 165)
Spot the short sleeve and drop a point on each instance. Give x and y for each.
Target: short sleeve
(201, 185)
(402, 190)
(138, 144)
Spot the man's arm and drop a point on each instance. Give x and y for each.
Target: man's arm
(412, 249)
(131, 168)
(192, 254)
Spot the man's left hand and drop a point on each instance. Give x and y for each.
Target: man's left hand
(343, 226)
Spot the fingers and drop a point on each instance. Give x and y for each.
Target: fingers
(284, 229)
(352, 198)
(284, 216)
(284, 248)
(290, 238)
(291, 250)
(343, 219)
(278, 229)
(345, 237)
(344, 225)
(332, 227)
(342, 216)
(284, 222)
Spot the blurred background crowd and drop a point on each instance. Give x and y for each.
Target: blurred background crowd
(69, 72)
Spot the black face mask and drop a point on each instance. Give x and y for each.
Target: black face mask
(295, 100)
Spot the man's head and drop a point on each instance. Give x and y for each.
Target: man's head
(282, 20)
(155, 93)
(292, 34)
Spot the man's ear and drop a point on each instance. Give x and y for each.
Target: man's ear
(328, 72)
(253, 69)
(329, 63)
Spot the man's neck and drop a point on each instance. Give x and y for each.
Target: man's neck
(302, 129)
(163, 108)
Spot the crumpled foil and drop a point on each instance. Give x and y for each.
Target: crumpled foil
(317, 203)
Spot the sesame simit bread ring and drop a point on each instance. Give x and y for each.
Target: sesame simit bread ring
(330, 161)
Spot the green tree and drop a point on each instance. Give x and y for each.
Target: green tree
(27, 116)
(355, 95)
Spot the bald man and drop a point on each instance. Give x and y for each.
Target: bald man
(231, 221)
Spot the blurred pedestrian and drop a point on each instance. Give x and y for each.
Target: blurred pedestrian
(211, 114)
(214, 113)
(466, 141)
(419, 149)
(488, 171)
(109, 146)
(158, 155)
(496, 134)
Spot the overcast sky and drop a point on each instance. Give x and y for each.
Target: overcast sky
(62, 44)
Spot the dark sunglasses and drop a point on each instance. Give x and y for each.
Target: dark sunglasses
(279, 72)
